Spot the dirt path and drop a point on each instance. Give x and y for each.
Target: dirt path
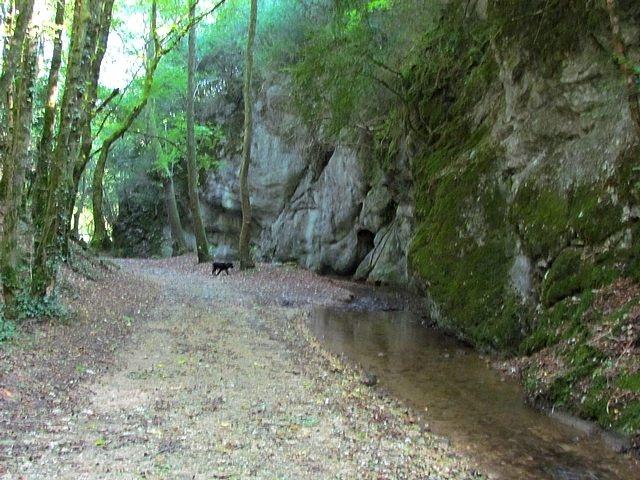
(188, 376)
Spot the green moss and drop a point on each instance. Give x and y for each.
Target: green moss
(504, 329)
(570, 274)
(583, 360)
(541, 215)
(539, 338)
(632, 255)
(563, 277)
(630, 381)
(628, 176)
(531, 380)
(563, 320)
(453, 67)
(594, 216)
(593, 405)
(628, 421)
(463, 246)
(547, 29)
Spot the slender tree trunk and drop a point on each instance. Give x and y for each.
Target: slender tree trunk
(100, 237)
(178, 242)
(202, 245)
(7, 26)
(43, 161)
(80, 207)
(84, 155)
(23, 10)
(245, 233)
(631, 78)
(15, 171)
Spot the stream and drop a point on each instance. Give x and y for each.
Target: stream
(464, 399)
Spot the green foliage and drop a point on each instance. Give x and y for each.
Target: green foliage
(590, 379)
(583, 360)
(48, 307)
(281, 28)
(7, 328)
(174, 140)
(628, 421)
(451, 72)
(30, 307)
(350, 65)
(564, 320)
(630, 382)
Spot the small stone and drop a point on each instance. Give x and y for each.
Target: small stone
(369, 379)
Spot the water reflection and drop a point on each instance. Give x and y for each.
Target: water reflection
(466, 400)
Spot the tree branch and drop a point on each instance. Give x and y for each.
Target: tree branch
(115, 92)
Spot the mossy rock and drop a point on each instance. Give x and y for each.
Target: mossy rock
(570, 274)
(547, 30)
(464, 246)
(594, 215)
(562, 320)
(563, 277)
(548, 220)
(542, 217)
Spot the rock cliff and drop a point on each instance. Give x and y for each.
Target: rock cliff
(313, 202)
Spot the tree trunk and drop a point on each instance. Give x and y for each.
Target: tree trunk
(245, 232)
(23, 10)
(100, 237)
(80, 206)
(202, 245)
(7, 27)
(43, 161)
(15, 172)
(178, 242)
(84, 155)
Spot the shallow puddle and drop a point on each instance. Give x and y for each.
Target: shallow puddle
(465, 400)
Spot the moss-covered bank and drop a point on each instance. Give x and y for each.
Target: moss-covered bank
(568, 208)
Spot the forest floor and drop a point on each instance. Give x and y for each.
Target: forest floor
(163, 371)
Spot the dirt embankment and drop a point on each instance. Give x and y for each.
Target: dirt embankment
(166, 372)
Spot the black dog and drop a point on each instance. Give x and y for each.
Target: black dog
(219, 267)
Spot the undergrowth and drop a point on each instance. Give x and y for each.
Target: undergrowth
(29, 307)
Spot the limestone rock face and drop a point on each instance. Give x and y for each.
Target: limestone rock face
(312, 203)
